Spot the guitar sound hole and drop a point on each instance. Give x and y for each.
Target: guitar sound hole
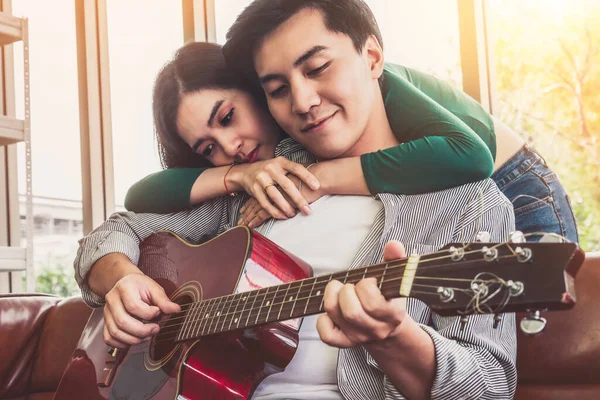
(164, 342)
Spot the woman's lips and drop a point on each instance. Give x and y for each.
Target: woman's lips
(252, 156)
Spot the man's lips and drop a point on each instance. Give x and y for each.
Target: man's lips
(318, 125)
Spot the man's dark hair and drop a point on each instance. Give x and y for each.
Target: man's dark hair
(349, 17)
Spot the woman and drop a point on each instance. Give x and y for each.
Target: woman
(205, 116)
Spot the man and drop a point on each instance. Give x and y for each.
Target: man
(322, 88)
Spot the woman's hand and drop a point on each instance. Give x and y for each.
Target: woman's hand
(253, 214)
(268, 182)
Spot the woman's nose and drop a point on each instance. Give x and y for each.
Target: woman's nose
(233, 147)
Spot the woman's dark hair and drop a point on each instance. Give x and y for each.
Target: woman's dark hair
(194, 67)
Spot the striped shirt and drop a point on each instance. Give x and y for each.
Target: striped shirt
(476, 362)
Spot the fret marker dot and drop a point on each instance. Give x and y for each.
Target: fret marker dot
(268, 302)
(218, 313)
(291, 298)
(235, 320)
(319, 293)
(207, 315)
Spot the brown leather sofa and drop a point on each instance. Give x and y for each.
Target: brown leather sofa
(563, 362)
(38, 334)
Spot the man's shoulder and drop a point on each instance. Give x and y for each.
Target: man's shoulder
(484, 194)
(213, 207)
(294, 151)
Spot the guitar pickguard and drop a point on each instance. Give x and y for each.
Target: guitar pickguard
(132, 372)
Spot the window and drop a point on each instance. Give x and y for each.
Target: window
(422, 35)
(56, 154)
(226, 11)
(62, 226)
(547, 83)
(142, 37)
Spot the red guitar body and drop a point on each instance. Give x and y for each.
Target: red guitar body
(224, 366)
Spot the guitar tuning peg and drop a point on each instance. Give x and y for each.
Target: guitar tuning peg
(483, 237)
(533, 324)
(463, 322)
(497, 320)
(517, 237)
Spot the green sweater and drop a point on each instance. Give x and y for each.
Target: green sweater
(446, 139)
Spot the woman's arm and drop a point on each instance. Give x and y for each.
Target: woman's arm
(178, 189)
(163, 192)
(439, 148)
(428, 164)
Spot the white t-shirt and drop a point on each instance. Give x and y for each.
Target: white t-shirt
(328, 240)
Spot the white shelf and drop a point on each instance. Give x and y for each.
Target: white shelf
(13, 259)
(12, 130)
(10, 29)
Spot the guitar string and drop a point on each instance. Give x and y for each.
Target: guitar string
(143, 346)
(377, 267)
(281, 296)
(476, 298)
(309, 288)
(222, 318)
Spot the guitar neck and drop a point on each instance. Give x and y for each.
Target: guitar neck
(287, 301)
(461, 279)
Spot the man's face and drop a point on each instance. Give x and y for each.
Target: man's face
(319, 88)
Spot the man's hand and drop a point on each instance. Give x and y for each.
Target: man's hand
(359, 314)
(134, 297)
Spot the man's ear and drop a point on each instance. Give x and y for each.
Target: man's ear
(374, 53)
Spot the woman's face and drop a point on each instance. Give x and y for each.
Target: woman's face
(226, 126)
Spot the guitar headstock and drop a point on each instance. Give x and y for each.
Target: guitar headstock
(489, 278)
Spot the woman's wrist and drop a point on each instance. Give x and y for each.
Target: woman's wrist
(319, 170)
(233, 178)
(343, 176)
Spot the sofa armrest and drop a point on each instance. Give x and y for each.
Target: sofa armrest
(38, 333)
(59, 337)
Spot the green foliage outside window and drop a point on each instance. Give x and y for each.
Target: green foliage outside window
(548, 84)
(55, 276)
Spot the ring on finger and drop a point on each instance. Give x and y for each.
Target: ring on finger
(269, 185)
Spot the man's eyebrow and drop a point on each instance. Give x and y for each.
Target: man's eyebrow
(303, 58)
(310, 53)
(215, 108)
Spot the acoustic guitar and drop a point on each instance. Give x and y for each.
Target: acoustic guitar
(242, 298)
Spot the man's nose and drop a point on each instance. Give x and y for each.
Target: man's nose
(304, 97)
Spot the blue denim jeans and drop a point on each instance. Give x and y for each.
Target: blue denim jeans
(540, 201)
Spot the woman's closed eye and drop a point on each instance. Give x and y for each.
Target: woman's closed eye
(226, 120)
(207, 150)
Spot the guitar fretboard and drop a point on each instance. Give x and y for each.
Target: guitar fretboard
(277, 303)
